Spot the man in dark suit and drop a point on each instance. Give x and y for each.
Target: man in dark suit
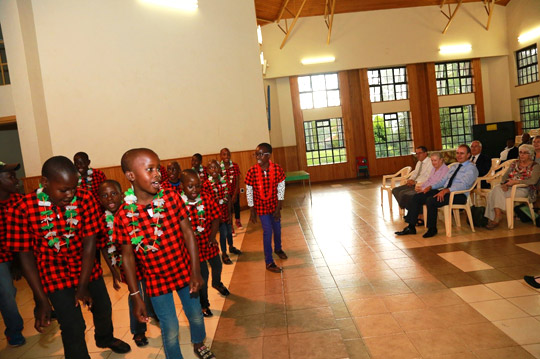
(511, 151)
(481, 161)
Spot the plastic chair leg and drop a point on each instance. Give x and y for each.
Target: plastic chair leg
(448, 220)
(457, 217)
(510, 213)
(469, 215)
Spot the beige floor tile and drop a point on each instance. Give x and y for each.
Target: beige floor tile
(377, 325)
(436, 342)
(326, 344)
(533, 349)
(440, 298)
(482, 336)
(530, 304)
(403, 302)
(465, 261)
(475, 293)
(356, 349)
(531, 246)
(421, 319)
(309, 320)
(522, 330)
(364, 307)
(391, 347)
(498, 309)
(513, 288)
(515, 352)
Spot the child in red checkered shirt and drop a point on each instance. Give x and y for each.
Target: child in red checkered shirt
(196, 165)
(55, 229)
(265, 190)
(89, 178)
(232, 170)
(111, 198)
(153, 228)
(9, 196)
(173, 177)
(204, 216)
(218, 186)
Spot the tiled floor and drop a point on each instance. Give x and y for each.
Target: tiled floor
(352, 289)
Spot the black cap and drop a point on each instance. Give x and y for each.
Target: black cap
(7, 167)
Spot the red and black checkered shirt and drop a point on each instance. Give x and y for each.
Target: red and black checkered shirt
(164, 174)
(202, 173)
(217, 191)
(233, 175)
(57, 269)
(211, 212)
(5, 255)
(261, 205)
(98, 177)
(167, 269)
(168, 184)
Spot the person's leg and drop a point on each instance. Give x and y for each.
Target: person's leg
(229, 234)
(71, 322)
(192, 310)
(223, 238)
(217, 267)
(266, 222)
(432, 205)
(276, 227)
(8, 307)
(237, 209)
(203, 292)
(102, 313)
(415, 207)
(168, 322)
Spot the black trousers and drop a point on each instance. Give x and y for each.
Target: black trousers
(416, 204)
(217, 266)
(236, 207)
(71, 320)
(403, 195)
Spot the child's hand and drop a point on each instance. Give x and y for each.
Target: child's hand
(277, 214)
(117, 278)
(43, 315)
(139, 309)
(253, 215)
(213, 242)
(83, 295)
(195, 283)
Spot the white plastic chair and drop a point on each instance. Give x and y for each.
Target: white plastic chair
(397, 179)
(454, 207)
(510, 205)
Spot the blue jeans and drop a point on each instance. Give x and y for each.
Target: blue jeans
(225, 236)
(269, 225)
(217, 266)
(168, 321)
(72, 323)
(8, 305)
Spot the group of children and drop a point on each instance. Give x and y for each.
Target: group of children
(158, 238)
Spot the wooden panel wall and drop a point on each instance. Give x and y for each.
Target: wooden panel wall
(285, 156)
(478, 91)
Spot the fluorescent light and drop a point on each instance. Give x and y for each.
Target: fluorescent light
(318, 60)
(455, 49)
(189, 5)
(262, 58)
(259, 34)
(529, 35)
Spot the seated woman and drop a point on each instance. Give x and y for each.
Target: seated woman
(524, 171)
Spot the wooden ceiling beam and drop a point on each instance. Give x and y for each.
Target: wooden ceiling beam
(450, 16)
(329, 23)
(293, 23)
(489, 5)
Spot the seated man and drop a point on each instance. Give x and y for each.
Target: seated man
(510, 152)
(435, 198)
(420, 174)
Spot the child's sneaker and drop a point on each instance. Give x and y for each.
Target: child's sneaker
(204, 353)
(17, 341)
(234, 250)
(238, 224)
(233, 232)
(226, 260)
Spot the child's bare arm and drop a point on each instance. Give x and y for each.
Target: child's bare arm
(30, 272)
(128, 263)
(88, 257)
(213, 231)
(114, 271)
(196, 281)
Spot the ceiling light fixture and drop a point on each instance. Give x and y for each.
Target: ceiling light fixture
(455, 49)
(259, 34)
(187, 5)
(529, 35)
(317, 60)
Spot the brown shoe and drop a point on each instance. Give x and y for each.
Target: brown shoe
(272, 267)
(281, 254)
(226, 260)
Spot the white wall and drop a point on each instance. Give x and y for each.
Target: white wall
(7, 107)
(496, 87)
(124, 74)
(382, 38)
(523, 15)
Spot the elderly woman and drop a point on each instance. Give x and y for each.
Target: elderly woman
(524, 171)
(536, 145)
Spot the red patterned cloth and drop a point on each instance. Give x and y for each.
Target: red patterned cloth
(211, 212)
(266, 202)
(233, 174)
(164, 174)
(98, 177)
(202, 173)
(217, 191)
(167, 269)
(6, 256)
(167, 184)
(57, 269)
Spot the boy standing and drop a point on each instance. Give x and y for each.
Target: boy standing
(110, 198)
(196, 165)
(204, 218)
(89, 178)
(9, 196)
(232, 171)
(153, 226)
(173, 177)
(265, 190)
(54, 229)
(217, 186)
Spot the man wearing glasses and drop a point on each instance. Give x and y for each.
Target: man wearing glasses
(420, 174)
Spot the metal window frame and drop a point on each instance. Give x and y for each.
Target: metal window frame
(325, 90)
(467, 132)
(409, 139)
(394, 83)
(522, 71)
(526, 123)
(446, 78)
(313, 140)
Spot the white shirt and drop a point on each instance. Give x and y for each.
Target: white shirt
(418, 176)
